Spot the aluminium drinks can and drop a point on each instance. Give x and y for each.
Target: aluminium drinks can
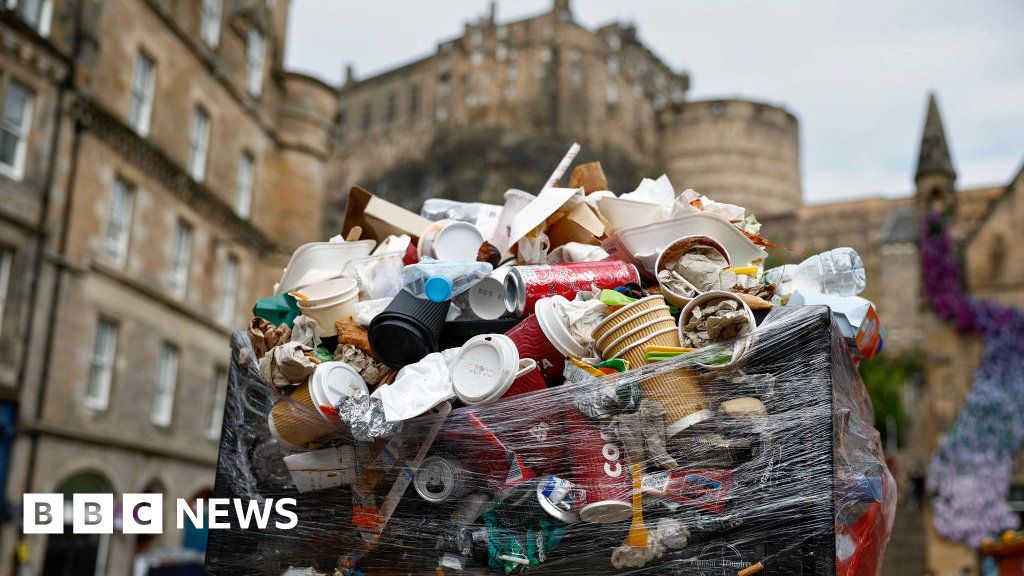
(524, 285)
(440, 479)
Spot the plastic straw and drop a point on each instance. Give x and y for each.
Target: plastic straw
(562, 166)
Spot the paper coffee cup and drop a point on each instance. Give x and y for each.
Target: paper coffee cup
(487, 297)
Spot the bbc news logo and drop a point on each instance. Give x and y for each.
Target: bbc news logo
(144, 513)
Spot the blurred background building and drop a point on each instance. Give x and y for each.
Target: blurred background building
(158, 165)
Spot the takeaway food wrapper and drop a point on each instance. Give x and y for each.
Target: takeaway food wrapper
(784, 465)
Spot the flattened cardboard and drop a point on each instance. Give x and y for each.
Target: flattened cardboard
(581, 225)
(380, 218)
(589, 176)
(549, 201)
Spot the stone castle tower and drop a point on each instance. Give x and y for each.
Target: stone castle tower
(496, 107)
(737, 151)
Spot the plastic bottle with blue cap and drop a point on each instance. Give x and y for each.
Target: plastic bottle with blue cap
(440, 280)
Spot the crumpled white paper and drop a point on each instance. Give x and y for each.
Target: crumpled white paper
(306, 331)
(683, 206)
(367, 310)
(576, 252)
(581, 316)
(658, 191)
(418, 387)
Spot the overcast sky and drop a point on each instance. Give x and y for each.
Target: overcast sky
(855, 73)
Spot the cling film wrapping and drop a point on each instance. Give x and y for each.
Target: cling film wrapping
(764, 464)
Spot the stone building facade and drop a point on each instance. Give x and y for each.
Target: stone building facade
(159, 171)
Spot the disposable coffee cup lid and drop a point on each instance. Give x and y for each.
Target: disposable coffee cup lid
(438, 288)
(485, 368)
(333, 381)
(458, 241)
(555, 330)
(606, 512)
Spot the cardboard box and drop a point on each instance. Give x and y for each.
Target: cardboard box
(589, 176)
(379, 218)
(581, 225)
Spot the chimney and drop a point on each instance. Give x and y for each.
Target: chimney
(350, 74)
(492, 12)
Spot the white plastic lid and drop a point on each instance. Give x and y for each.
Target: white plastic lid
(333, 381)
(458, 241)
(606, 512)
(485, 368)
(554, 329)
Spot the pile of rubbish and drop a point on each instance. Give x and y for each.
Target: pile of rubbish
(575, 382)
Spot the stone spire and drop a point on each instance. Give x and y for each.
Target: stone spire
(935, 177)
(934, 158)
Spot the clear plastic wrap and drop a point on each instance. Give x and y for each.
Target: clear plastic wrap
(782, 473)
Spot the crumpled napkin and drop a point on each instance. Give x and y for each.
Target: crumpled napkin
(287, 365)
(658, 191)
(533, 249)
(714, 322)
(419, 387)
(581, 316)
(667, 534)
(306, 331)
(690, 201)
(372, 371)
(265, 335)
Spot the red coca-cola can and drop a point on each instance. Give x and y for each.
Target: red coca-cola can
(524, 285)
(599, 469)
(531, 342)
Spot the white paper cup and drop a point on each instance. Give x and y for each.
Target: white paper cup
(344, 309)
(740, 344)
(487, 297)
(322, 469)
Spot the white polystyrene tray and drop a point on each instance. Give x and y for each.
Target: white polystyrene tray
(321, 256)
(647, 241)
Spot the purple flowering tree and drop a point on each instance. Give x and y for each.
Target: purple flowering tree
(971, 471)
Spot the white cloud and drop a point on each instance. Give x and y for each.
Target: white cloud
(855, 73)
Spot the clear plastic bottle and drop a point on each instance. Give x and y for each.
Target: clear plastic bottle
(839, 272)
(441, 280)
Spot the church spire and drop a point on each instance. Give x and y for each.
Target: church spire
(934, 158)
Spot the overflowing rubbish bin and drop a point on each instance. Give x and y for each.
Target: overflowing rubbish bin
(576, 382)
